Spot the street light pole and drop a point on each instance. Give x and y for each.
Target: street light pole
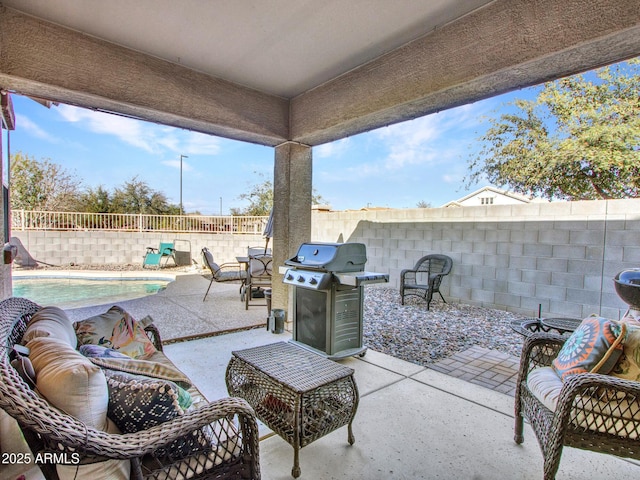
(181, 209)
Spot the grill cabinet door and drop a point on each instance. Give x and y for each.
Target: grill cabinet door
(346, 326)
(310, 322)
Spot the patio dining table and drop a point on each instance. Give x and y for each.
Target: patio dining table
(529, 326)
(561, 325)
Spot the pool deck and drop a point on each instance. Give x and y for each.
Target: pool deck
(180, 313)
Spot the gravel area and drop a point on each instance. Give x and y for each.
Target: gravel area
(413, 333)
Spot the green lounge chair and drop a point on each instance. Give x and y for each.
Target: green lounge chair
(155, 256)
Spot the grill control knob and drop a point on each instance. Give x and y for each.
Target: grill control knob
(313, 281)
(289, 277)
(301, 279)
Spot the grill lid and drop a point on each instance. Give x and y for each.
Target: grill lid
(330, 257)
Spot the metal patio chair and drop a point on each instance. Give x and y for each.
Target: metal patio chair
(425, 278)
(258, 278)
(227, 272)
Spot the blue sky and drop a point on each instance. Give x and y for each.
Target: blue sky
(423, 160)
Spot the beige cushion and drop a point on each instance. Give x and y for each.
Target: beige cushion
(545, 384)
(196, 464)
(107, 469)
(154, 369)
(628, 365)
(51, 322)
(606, 416)
(69, 381)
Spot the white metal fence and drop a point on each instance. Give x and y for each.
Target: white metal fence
(22, 220)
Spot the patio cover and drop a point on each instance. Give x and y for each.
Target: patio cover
(306, 71)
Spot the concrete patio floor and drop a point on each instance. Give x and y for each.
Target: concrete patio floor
(413, 422)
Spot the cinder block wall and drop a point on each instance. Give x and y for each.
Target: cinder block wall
(84, 248)
(561, 256)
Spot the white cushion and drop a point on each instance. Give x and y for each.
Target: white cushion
(51, 322)
(69, 381)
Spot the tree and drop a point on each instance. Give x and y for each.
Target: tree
(96, 200)
(260, 197)
(135, 196)
(42, 185)
(579, 140)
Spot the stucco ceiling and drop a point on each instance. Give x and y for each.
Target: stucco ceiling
(280, 47)
(309, 71)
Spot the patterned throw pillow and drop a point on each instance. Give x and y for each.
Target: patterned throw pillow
(118, 330)
(138, 403)
(595, 346)
(98, 351)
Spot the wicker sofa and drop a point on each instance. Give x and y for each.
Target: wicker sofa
(589, 411)
(221, 436)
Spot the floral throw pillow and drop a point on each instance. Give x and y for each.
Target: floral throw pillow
(118, 330)
(595, 346)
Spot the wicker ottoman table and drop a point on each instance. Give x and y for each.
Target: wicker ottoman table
(300, 395)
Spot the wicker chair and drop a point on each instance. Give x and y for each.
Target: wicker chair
(425, 278)
(579, 419)
(48, 429)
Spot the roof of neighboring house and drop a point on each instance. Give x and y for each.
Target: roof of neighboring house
(497, 191)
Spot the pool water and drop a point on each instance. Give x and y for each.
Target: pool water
(75, 293)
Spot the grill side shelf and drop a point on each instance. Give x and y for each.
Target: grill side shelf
(355, 279)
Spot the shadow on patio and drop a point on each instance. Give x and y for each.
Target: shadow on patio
(413, 422)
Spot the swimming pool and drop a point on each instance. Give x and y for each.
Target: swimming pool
(72, 292)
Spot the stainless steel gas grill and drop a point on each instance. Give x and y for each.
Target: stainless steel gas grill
(328, 280)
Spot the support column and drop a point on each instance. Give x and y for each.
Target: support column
(7, 122)
(292, 192)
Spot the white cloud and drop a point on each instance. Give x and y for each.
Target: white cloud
(333, 149)
(25, 123)
(429, 140)
(147, 136)
(176, 164)
(201, 144)
(129, 130)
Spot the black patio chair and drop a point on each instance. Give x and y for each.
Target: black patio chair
(227, 272)
(425, 278)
